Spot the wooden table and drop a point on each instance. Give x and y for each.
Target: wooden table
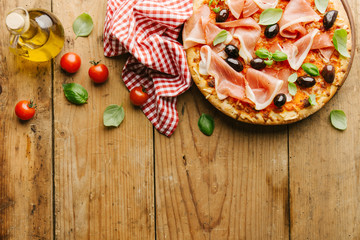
(63, 175)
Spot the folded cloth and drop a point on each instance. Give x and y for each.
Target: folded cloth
(148, 29)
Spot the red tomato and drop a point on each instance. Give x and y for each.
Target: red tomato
(25, 110)
(70, 62)
(138, 96)
(99, 73)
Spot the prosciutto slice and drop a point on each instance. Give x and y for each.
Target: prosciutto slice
(283, 75)
(235, 6)
(193, 32)
(211, 30)
(261, 88)
(322, 41)
(296, 13)
(228, 82)
(247, 31)
(250, 8)
(265, 4)
(258, 87)
(298, 51)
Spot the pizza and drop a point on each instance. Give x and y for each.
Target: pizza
(268, 61)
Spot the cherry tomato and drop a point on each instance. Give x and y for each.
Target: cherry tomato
(99, 73)
(25, 110)
(138, 96)
(70, 62)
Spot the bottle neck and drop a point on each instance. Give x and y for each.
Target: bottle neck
(18, 21)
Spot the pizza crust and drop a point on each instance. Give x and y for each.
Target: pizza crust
(235, 110)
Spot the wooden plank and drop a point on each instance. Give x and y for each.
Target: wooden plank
(103, 177)
(232, 185)
(25, 146)
(324, 167)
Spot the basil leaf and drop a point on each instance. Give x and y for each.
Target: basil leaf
(292, 78)
(321, 5)
(338, 119)
(279, 56)
(312, 100)
(206, 124)
(216, 10)
(221, 37)
(75, 93)
(113, 115)
(210, 2)
(311, 69)
(83, 25)
(263, 53)
(268, 62)
(292, 88)
(340, 42)
(270, 16)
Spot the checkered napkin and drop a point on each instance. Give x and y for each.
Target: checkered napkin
(148, 29)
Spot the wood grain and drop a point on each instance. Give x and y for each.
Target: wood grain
(324, 167)
(232, 185)
(103, 176)
(25, 155)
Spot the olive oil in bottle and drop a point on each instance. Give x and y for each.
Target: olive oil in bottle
(36, 35)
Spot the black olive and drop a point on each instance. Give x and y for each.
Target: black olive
(257, 63)
(232, 51)
(222, 15)
(329, 19)
(305, 81)
(328, 73)
(235, 64)
(280, 100)
(271, 30)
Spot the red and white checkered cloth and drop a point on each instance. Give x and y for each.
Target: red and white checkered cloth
(148, 29)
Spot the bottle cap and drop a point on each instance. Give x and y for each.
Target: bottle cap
(17, 21)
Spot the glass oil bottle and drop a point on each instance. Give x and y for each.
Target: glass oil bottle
(36, 35)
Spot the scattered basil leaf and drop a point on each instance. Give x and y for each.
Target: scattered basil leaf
(292, 78)
(83, 25)
(210, 2)
(270, 16)
(340, 42)
(216, 10)
(311, 69)
(75, 93)
(279, 56)
(269, 62)
(321, 5)
(292, 88)
(312, 99)
(338, 119)
(263, 53)
(206, 124)
(113, 115)
(221, 37)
